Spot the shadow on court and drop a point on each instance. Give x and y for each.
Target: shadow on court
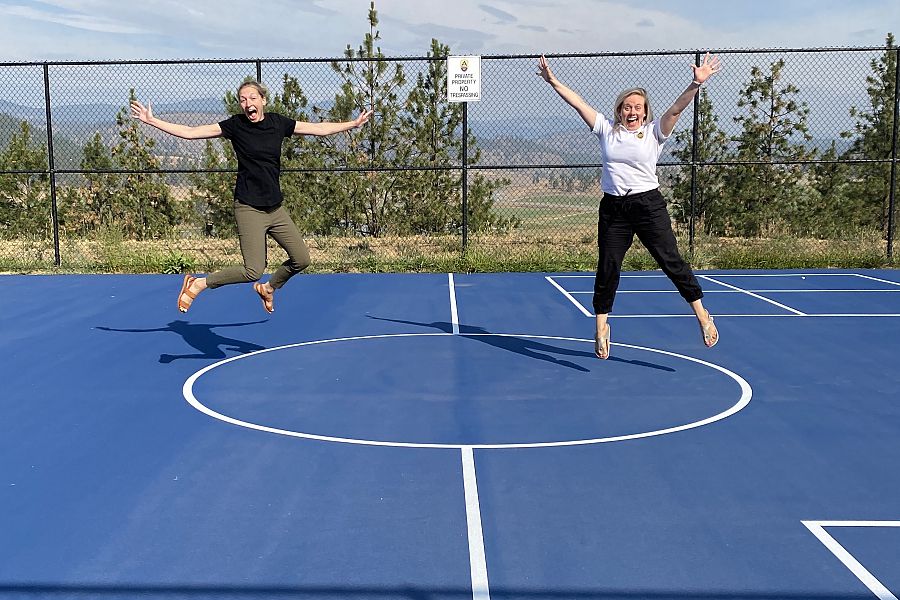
(525, 346)
(200, 336)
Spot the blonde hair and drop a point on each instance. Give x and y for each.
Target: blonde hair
(261, 89)
(617, 111)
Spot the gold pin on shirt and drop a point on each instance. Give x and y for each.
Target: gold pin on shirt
(640, 134)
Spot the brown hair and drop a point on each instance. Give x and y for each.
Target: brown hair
(261, 89)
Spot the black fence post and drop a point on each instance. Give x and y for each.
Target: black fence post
(51, 165)
(694, 140)
(465, 176)
(891, 195)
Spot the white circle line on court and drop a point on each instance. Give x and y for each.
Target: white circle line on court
(187, 391)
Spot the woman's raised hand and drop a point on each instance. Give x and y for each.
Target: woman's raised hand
(544, 70)
(362, 118)
(710, 66)
(140, 112)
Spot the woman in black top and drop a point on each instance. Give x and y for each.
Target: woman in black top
(257, 137)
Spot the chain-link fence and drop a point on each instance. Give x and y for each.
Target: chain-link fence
(787, 157)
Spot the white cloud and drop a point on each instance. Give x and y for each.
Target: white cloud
(69, 19)
(565, 26)
(820, 29)
(502, 16)
(115, 29)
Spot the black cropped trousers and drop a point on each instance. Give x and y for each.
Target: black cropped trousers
(644, 214)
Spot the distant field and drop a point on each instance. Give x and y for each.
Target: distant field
(541, 209)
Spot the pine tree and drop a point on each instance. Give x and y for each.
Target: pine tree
(836, 212)
(431, 201)
(767, 195)
(24, 198)
(872, 135)
(145, 205)
(711, 205)
(87, 207)
(212, 190)
(423, 131)
(374, 84)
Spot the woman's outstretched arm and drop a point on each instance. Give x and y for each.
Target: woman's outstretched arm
(574, 100)
(330, 127)
(144, 114)
(709, 67)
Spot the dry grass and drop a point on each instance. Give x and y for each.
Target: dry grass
(556, 232)
(516, 251)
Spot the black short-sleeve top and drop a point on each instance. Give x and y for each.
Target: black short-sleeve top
(258, 149)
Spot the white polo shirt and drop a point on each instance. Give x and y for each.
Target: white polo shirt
(629, 157)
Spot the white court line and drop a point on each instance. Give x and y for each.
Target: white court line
(565, 293)
(876, 279)
(757, 296)
(732, 289)
(187, 391)
(777, 315)
(775, 291)
(818, 529)
(570, 296)
(649, 276)
(477, 560)
(784, 274)
(454, 315)
(592, 276)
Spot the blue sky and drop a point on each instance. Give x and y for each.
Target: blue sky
(59, 30)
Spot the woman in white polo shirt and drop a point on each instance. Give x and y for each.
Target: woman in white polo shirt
(630, 146)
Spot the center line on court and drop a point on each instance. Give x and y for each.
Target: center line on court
(477, 561)
(454, 316)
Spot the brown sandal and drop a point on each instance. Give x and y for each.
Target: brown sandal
(186, 291)
(268, 300)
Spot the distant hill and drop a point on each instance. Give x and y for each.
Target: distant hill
(71, 135)
(551, 139)
(98, 112)
(21, 113)
(67, 153)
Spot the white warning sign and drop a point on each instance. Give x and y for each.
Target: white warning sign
(463, 78)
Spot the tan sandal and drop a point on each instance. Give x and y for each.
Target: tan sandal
(186, 291)
(601, 344)
(710, 332)
(268, 299)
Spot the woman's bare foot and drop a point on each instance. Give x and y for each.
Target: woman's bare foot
(601, 341)
(708, 330)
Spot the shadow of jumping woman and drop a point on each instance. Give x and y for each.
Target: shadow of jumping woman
(210, 345)
(530, 347)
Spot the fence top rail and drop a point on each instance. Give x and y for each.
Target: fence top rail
(692, 52)
(429, 58)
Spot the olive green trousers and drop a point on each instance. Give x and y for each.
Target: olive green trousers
(253, 224)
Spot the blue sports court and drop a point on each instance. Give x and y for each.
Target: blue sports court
(451, 436)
